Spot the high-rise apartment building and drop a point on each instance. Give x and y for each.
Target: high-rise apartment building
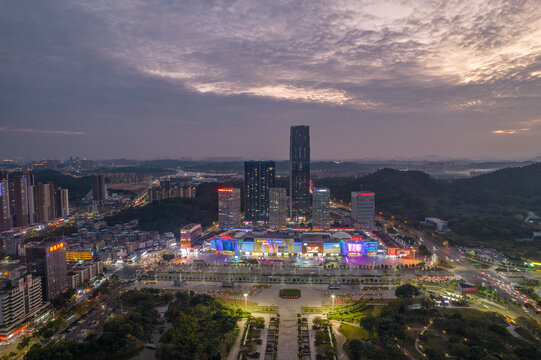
(45, 209)
(277, 207)
(166, 190)
(31, 198)
(52, 208)
(62, 203)
(299, 181)
(321, 208)
(99, 190)
(20, 201)
(258, 179)
(363, 209)
(229, 207)
(48, 260)
(5, 206)
(20, 297)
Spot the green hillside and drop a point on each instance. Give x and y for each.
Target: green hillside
(171, 214)
(480, 210)
(414, 195)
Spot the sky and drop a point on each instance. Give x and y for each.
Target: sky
(169, 79)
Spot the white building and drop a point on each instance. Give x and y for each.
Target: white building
(321, 208)
(277, 207)
(229, 207)
(363, 209)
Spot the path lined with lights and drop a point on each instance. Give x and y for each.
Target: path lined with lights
(417, 346)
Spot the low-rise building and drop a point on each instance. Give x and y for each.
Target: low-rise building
(80, 273)
(78, 254)
(438, 224)
(467, 288)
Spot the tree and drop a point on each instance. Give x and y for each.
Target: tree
(355, 349)
(24, 343)
(423, 251)
(406, 291)
(369, 323)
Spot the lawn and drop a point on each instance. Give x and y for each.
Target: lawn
(352, 332)
(354, 312)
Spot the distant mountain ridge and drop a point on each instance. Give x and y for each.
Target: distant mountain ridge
(414, 195)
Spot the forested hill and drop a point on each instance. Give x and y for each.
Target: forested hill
(171, 214)
(413, 195)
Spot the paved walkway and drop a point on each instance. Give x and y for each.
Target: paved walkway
(417, 340)
(513, 332)
(340, 340)
(234, 353)
(288, 347)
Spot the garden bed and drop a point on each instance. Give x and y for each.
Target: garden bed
(290, 293)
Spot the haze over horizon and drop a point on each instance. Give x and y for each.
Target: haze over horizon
(373, 79)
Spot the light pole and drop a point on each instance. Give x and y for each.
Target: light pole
(245, 302)
(332, 297)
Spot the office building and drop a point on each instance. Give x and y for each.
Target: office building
(20, 201)
(48, 260)
(45, 210)
(20, 298)
(299, 181)
(363, 209)
(258, 179)
(321, 209)
(277, 207)
(62, 203)
(5, 206)
(99, 191)
(229, 207)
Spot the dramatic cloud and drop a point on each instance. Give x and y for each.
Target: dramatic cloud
(195, 78)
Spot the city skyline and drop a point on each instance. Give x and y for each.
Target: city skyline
(372, 79)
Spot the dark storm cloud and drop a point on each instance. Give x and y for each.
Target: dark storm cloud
(190, 78)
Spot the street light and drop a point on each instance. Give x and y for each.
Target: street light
(245, 302)
(332, 297)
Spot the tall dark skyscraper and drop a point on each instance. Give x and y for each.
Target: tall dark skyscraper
(299, 180)
(99, 190)
(48, 259)
(258, 179)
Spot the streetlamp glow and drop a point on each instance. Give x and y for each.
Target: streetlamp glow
(245, 302)
(332, 297)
